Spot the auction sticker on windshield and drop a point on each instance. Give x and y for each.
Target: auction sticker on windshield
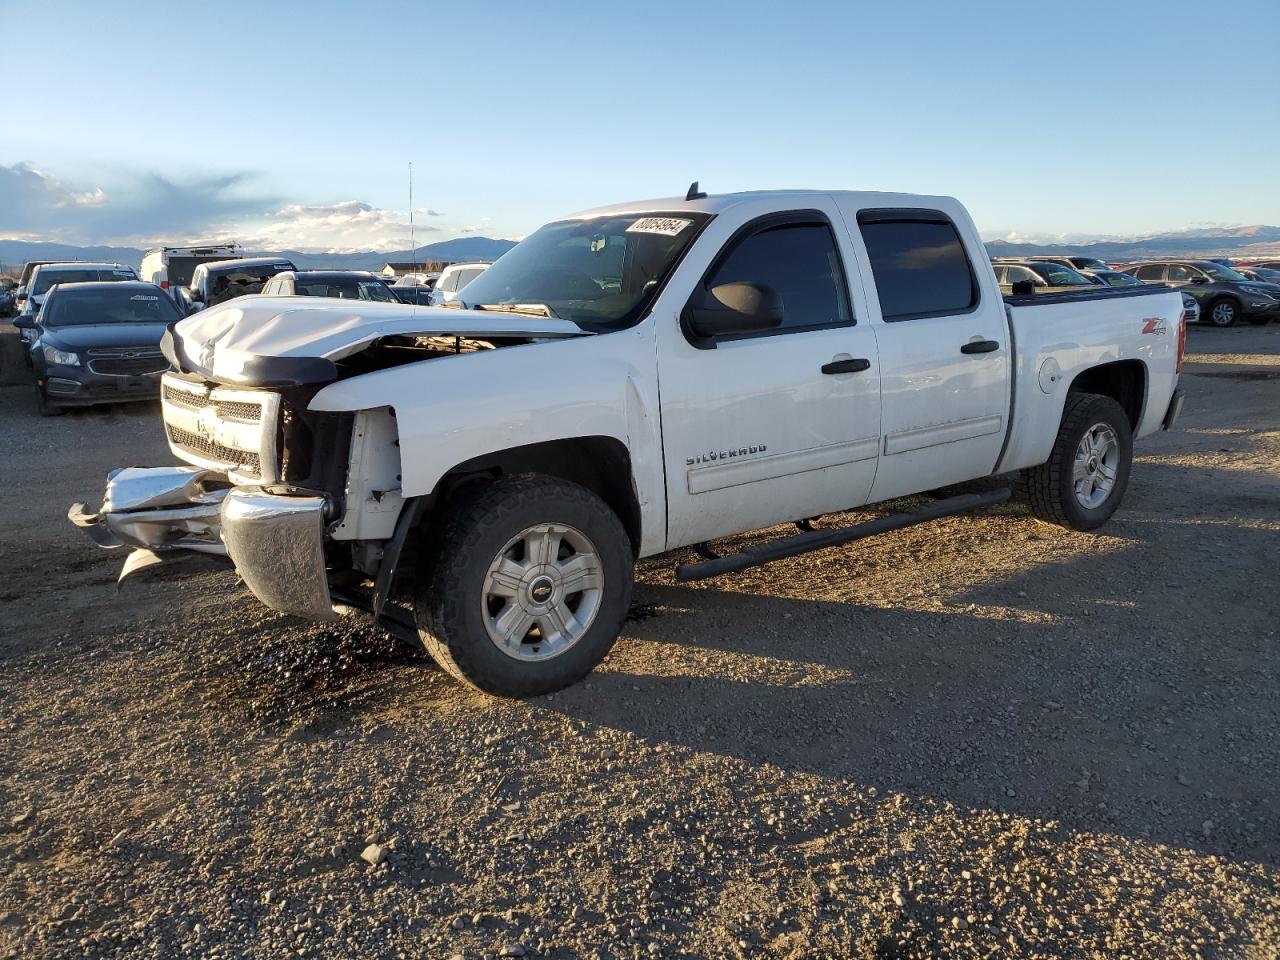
(663, 226)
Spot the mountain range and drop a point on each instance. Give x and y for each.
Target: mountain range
(1258, 240)
(14, 253)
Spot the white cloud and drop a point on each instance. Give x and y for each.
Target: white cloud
(344, 226)
(148, 208)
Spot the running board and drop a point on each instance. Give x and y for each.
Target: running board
(754, 556)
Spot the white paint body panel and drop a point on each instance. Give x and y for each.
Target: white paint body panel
(795, 442)
(1075, 337)
(222, 338)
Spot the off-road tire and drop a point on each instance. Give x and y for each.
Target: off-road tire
(1209, 312)
(1049, 488)
(448, 603)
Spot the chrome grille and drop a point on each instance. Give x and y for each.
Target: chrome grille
(222, 428)
(140, 365)
(243, 461)
(228, 409)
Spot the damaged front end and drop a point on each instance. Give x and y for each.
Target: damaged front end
(295, 498)
(275, 543)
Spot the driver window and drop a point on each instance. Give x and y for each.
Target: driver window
(1179, 272)
(801, 263)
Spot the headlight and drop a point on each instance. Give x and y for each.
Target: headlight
(54, 355)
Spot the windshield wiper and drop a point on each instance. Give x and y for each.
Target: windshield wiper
(532, 309)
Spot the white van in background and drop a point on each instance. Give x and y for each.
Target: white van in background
(453, 278)
(171, 267)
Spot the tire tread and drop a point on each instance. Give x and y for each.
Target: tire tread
(465, 526)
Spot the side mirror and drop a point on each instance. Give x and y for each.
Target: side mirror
(25, 323)
(731, 309)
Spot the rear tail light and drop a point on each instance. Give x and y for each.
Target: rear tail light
(164, 284)
(1182, 339)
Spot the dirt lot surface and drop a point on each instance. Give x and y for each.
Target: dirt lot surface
(985, 737)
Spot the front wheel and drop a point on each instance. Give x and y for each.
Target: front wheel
(1085, 477)
(527, 587)
(1224, 312)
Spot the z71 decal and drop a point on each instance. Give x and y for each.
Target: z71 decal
(1154, 325)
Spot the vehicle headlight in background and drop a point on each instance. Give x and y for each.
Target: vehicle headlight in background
(54, 355)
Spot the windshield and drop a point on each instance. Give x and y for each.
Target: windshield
(77, 308)
(1219, 272)
(47, 278)
(1057, 275)
(230, 282)
(600, 273)
(345, 288)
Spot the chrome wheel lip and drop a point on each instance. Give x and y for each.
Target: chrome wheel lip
(1096, 466)
(542, 591)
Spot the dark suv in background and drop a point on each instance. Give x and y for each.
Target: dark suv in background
(1225, 296)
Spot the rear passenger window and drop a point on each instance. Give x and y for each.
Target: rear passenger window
(1153, 271)
(800, 262)
(920, 266)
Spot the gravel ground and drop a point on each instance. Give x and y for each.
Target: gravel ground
(984, 737)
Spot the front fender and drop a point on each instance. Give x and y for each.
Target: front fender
(453, 409)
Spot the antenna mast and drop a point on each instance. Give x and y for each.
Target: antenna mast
(413, 251)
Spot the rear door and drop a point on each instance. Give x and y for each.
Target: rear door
(944, 348)
(780, 425)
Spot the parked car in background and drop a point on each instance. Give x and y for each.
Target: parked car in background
(427, 280)
(24, 280)
(1085, 265)
(339, 284)
(221, 280)
(173, 267)
(1260, 274)
(99, 342)
(46, 275)
(1268, 264)
(1224, 295)
(419, 294)
(1190, 308)
(453, 278)
(8, 287)
(1114, 278)
(1044, 276)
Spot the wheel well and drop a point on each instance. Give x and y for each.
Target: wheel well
(1124, 381)
(601, 464)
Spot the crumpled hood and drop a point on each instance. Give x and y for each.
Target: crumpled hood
(225, 340)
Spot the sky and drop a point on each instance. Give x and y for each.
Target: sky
(292, 125)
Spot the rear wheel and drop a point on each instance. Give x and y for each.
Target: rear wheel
(527, 587)
(1224, 312)
(1085, 477)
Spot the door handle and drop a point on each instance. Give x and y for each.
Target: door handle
(981, 346)
(852, 365)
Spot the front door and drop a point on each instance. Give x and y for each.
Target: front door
(778, 426)
(944, 350)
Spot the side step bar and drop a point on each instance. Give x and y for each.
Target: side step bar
(762, 553)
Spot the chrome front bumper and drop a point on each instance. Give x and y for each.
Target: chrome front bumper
(276, 543)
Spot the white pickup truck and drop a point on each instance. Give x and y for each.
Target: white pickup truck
(624, 382)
